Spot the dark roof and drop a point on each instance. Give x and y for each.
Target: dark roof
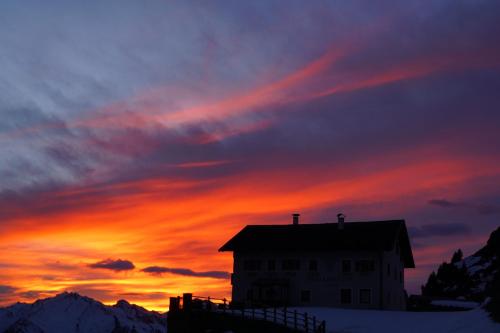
(356, 236)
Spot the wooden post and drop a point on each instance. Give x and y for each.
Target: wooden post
(265, 314)
(314, 324)
(243, 312)
(284, 316)
(275, 315)
(174, 304)
(253, 312)
(295, 319)
(306, 323)
(187, 300)
(209, 306)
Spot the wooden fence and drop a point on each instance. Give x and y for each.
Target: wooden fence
(292, 319)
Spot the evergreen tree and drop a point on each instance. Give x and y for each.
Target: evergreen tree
(494, 305)
(431, 288)
(457, 256)
(451, 280)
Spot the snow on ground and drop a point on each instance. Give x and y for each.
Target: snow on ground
(374, 321)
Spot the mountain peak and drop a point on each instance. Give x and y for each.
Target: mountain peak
(72, 312)
(492, 247)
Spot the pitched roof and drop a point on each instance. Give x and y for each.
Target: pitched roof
(355, 236)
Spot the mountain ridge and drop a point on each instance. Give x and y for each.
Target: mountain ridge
(70, 312)
(476, 277)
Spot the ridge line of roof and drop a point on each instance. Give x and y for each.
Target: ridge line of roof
(324, 223)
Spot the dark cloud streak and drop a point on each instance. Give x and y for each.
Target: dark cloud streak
(114, 265)
(446, 203)
(158, 270)
(7, 289)
(481, 209)
(439, 230)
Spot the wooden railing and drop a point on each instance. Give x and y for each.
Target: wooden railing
(293, 319)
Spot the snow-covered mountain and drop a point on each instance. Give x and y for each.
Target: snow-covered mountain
(475, 278)
(468, 278)
(72, 313)
(484, 265)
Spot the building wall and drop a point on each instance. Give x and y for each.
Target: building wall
(393, 281)
(324, 284)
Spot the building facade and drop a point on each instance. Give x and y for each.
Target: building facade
(348, 265)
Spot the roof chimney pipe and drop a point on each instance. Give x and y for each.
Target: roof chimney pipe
(295, 218)
(340, 219)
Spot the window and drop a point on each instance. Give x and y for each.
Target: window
(305, 296)
(389, 269)
(346, 266)
(345, 296)
(365, 296)
(251, 265)
(271, 265)
(270, 293)
(364, 266)
(330, 266)
(291, 265)
(313, 265)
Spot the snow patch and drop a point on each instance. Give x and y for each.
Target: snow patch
(456, 304)
(373, 321)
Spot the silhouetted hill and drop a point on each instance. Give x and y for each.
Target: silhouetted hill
(476, 277)
(70, 312)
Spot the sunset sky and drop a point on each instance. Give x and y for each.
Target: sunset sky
(136, 137)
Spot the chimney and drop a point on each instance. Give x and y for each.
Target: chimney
(295, 219)
(341, 218)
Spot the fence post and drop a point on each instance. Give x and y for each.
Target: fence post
(275, 315)
(187, 299)
(284, 317)
(295, 319)
(265, 314)
(253, 312)
(208, 304)
(242, 312)
(174, 304)
(224, 308)
(306, 323)
(314, 324)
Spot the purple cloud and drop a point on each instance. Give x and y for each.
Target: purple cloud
(446, 203)
(438, 230)
(114, 265)
(158, 270)
(481, 209)
(7, 289)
